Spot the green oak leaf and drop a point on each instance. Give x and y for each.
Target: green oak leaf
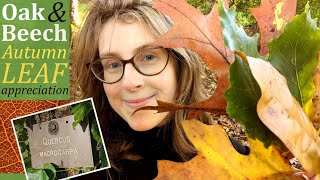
(37, 174)
(294, 55)
(81, 111)
(27, 162)
(244, 91)
(234, 36)
(23, 146)
(95, 131)
(25, 153)
(50, 170)
(242, 98)
(103, 157)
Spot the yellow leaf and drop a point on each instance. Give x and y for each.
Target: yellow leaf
(217, 159)
(284, 116)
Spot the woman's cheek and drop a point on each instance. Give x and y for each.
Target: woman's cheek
(111, 93)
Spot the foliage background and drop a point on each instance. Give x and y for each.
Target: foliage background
(244, 16)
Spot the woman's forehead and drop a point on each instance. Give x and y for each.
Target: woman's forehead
(123, 38)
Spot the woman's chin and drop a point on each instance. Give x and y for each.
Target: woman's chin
(145, 121)
(141, 126)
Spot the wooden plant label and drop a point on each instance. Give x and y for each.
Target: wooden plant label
(57, 142)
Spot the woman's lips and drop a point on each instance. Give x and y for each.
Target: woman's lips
(138, 103)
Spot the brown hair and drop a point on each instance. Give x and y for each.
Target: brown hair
(190, 71)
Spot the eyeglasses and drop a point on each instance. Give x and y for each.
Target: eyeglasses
(148, 62)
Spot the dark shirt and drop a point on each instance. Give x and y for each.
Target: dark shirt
(153, 145)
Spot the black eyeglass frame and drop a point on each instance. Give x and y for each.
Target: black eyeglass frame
(124, 62)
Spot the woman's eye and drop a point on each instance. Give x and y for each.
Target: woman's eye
(149, 57)
(114, 65)
(111, 64)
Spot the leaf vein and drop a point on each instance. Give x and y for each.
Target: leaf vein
(224, 57)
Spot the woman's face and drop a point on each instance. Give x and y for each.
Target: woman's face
(135, 90)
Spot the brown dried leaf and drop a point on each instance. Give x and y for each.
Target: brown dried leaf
(272, 16)
(284, 116)
(165, 107)
(162, 107)
(202, 34)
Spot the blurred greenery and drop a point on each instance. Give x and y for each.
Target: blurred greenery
(82, 8)
(203, 5)
(314, 7)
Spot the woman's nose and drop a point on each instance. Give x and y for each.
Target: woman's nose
(132, 80)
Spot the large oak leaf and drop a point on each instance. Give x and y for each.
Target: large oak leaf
(243, 93)
(284, 116)
(217, 159)
(272, 16)
(202, 34)
(294, 55)
(10, 161)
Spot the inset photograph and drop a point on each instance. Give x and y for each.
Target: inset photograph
(61, 142)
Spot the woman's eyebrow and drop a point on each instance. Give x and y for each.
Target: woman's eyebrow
(136, 50)
(145, 46)
(108, 54)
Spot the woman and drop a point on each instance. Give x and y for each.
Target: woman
(122, 69)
